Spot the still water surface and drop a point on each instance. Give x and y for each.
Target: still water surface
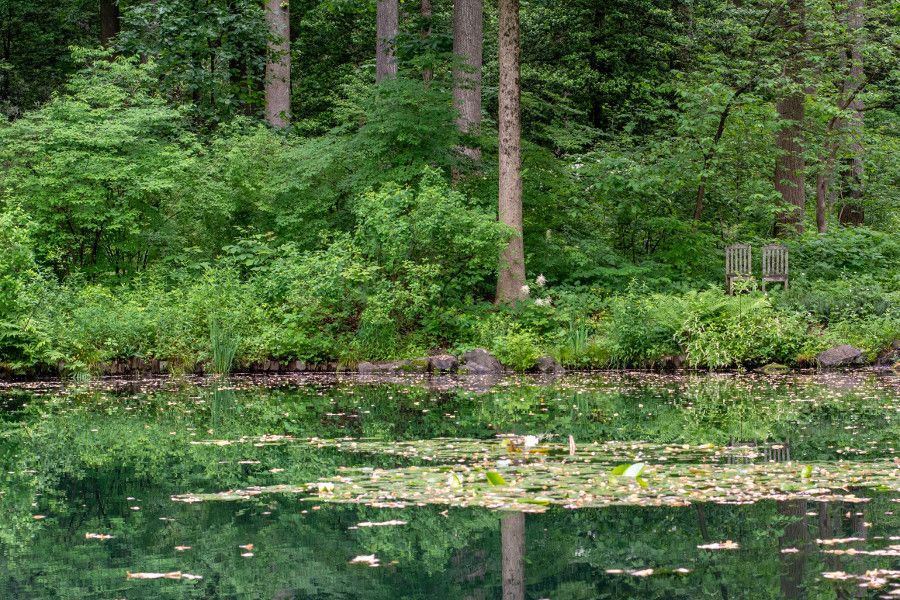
(695, 486)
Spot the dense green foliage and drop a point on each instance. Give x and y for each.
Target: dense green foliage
(146, 210)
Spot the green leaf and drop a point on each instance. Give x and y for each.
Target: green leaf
(495, 478)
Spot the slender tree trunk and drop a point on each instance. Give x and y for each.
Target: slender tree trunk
(823, 183)
(511, 279)
(278, 64)
(796, 535)
(790, 166)
(468, 42)
(512, 541)
(427, 13)
(852, 212)
(388, 25)
(109, 21)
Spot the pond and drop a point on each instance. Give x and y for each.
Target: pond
(611, 485)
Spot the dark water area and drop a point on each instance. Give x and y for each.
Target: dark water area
(615, 485)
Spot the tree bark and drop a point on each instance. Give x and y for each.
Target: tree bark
(790, 166)
(468, 42)
(388, 25)
(511, 279)
(109, 21)
(278, 64)
(427, 12)
(796, 535)
(512, 541)
(852, 211)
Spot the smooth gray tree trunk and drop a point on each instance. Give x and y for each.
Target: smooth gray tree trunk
(387, 26)
(278, 64)
(468, 44)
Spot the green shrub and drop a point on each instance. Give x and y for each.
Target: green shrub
(518, 349)
(639, 328)
(729, 331)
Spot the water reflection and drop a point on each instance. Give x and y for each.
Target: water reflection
(108, 460)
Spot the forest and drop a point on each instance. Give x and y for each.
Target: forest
(216, 185)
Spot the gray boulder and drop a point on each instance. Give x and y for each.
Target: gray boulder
(393, 367)
(480, 361)
(840, 356)
(549, 366)
(443, 363)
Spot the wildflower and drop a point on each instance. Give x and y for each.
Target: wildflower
(542, 301)
(526, 290)
(541, 281)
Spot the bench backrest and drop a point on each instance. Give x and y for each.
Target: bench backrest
(774, 260)
(738, 260)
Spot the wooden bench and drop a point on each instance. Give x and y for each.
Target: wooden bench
(774, 265)
(738, 265)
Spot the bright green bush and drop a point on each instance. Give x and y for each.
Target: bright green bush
(517, 349)
(721, 331)
(639, 328)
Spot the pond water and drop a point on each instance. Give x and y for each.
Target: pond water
(615, 485)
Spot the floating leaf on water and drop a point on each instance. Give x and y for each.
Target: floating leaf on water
(726, 545)
(366, 559)
(381, 523)
(169, 575)
(495, 478)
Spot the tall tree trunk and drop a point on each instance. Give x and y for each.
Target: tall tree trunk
(388, 25)
(852, 211)
(426, 12)
(278, 64)
(796, 535)
(790, 166)
(512, 541)
(468, 42)
(109, 20)
(511, 279)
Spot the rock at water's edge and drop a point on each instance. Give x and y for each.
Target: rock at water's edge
(480, 360)
(443, 363)
(840, 356)
(549, 366)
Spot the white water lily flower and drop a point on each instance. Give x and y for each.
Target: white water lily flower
(541, 281)
(531, 441)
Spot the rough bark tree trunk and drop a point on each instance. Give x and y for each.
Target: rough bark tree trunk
(796, 535)
(427, 12)
(512, 541)
(468, 43)
(511, 278)
(790, 166)
(109, 20)
(278, 64)
(387, 26)
(852, 211)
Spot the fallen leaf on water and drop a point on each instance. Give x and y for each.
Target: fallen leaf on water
(726, 545)
(381, 524)
(169, 575)
(366, 559)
